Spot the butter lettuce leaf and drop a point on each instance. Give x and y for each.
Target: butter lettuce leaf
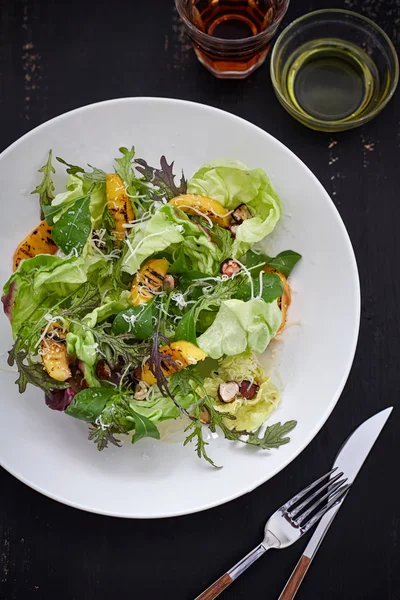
(241, 326)
(77, 190)
(159, 408)
(43, 281)
(171, 230)
(249, 414)
(232, 184)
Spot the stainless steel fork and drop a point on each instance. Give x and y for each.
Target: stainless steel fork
(288, 524)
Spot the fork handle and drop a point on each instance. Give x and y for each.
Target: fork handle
(223, 582)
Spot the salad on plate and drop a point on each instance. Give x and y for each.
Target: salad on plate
(141, 298)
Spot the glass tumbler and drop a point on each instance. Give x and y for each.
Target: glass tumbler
(231, 37)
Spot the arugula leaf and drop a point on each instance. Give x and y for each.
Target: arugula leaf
(88, 404)
(143, 427)
(186, 329)
(45, 189)
(125, 168)
(71, 169)
(137, 320)
(271, 288)
(273, 436)
(96, 176)
(33, 373)
(284, 262)
(163, 178)
(72, 230)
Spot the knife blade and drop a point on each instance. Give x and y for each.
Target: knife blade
(350, 459)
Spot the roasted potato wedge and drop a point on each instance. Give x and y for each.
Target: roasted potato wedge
(54, 353)
(39, 241)
(286, 298)
(194, 204)
(118, 204)
(148, 279)
(182, 353)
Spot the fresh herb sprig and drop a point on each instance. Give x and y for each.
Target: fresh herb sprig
(31, 372)
(274, 436)
(45, 189)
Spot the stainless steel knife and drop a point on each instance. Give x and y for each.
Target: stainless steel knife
(350, 459)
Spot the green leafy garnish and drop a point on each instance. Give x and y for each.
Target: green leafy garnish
(85, 300)
(271, 288)
(72, 230)
(273, 436)
(45, 189)
(96, 176)
(89, 404)
(186, 329)
(196, 434)
(138, 321)
(143, 427)
(71, 169)
(32, 372)
(284, 262)
(120, 347)
(180, 265)
(125, 167)
(271, 439)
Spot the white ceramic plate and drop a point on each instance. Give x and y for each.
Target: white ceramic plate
(50, 451)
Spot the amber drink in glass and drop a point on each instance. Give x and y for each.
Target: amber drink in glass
(231, 37)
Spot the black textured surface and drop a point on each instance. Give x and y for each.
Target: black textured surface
(56, 56)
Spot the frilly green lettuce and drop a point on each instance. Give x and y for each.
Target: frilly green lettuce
(170, 229)
(232, 184)
(249, 414)
(241, 326)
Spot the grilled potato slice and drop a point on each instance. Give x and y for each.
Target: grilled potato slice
(148, 279)
(286, 298)
(39, 241)
(118, 204)
(54, 353)
(182, 353)
(194, 204)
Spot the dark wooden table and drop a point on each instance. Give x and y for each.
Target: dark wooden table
(56, 56)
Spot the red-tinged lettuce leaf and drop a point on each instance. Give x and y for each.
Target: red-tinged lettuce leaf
(163, 178)
(8, 300)
(60, 399)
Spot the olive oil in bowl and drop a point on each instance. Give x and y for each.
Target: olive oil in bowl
(330, 80)
(334, 69)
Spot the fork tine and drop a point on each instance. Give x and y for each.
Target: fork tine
(334, 500)
(335, 487)
(330, 483)
(300, 495)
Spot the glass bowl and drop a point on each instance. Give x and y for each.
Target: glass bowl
(373, 51)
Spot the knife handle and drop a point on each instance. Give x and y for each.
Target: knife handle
(296, 578)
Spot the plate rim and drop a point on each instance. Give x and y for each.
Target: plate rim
(356, 306)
